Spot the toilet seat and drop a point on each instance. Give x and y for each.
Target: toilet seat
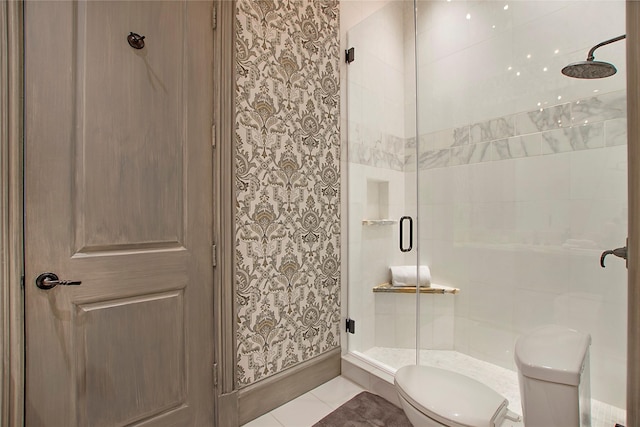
(450, 398)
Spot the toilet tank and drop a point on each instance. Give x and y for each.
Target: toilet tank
(553, 373)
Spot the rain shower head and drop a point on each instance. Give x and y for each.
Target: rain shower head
(591, 69)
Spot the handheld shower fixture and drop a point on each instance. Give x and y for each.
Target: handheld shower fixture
(591, 69)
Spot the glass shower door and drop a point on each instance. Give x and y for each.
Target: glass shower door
(382, 187)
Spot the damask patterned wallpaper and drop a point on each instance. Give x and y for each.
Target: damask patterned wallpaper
(287, 183)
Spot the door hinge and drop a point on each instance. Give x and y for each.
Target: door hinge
(213, 136)
(215, 375)
(21, 282)
(350, 55)
(214, 255)
(214, 17)
(351, 326)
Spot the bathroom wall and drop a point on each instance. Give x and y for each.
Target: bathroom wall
(522, 175)
(288, 184)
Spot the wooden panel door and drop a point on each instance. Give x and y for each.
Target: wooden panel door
(118, 170)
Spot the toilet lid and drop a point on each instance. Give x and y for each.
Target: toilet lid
(450, 398)
(553, 353)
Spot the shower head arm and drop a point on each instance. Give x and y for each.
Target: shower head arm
(590, 57)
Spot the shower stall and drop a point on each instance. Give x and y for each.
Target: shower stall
(471, 154)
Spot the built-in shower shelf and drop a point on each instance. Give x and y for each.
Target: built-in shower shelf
(434, 289)
(379, 221)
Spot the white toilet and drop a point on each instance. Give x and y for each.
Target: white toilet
(553, 365)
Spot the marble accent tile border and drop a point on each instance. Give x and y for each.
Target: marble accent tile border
(608, 106)
(372, 156)
(371, 148)
(590, 123)
(595, 122)
(543, 119)
(615, 132)
(516, 147)
(573, 138)
(493, 129)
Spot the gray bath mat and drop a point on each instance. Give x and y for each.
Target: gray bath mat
(366, 410)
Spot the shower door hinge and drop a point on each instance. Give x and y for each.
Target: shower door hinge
(214, 255)
(215, 375)
(351, 326)
(350, 55)
(214, 17)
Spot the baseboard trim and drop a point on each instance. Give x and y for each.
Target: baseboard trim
(266, 395)
(227, 410)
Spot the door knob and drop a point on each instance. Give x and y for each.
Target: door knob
(48, 281)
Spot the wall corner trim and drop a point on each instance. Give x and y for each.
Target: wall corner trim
(263, 396)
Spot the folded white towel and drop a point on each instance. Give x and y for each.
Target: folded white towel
(407, 275)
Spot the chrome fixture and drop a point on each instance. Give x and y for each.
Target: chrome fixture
(619, 252)
(402, 247)
(591, 69)
(136, 41)
(48, 281)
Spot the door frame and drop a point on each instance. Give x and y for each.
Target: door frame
(633, 177)
(11, 214)
(224, 211)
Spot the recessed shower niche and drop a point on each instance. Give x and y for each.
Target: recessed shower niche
(377, 204)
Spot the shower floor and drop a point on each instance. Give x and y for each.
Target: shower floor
(504, 381)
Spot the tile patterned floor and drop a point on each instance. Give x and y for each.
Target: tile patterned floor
(311, 407)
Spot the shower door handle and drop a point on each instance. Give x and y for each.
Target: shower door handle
(402, 247)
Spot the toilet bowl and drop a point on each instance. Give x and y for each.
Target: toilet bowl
(553, 373)
(434, 397)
